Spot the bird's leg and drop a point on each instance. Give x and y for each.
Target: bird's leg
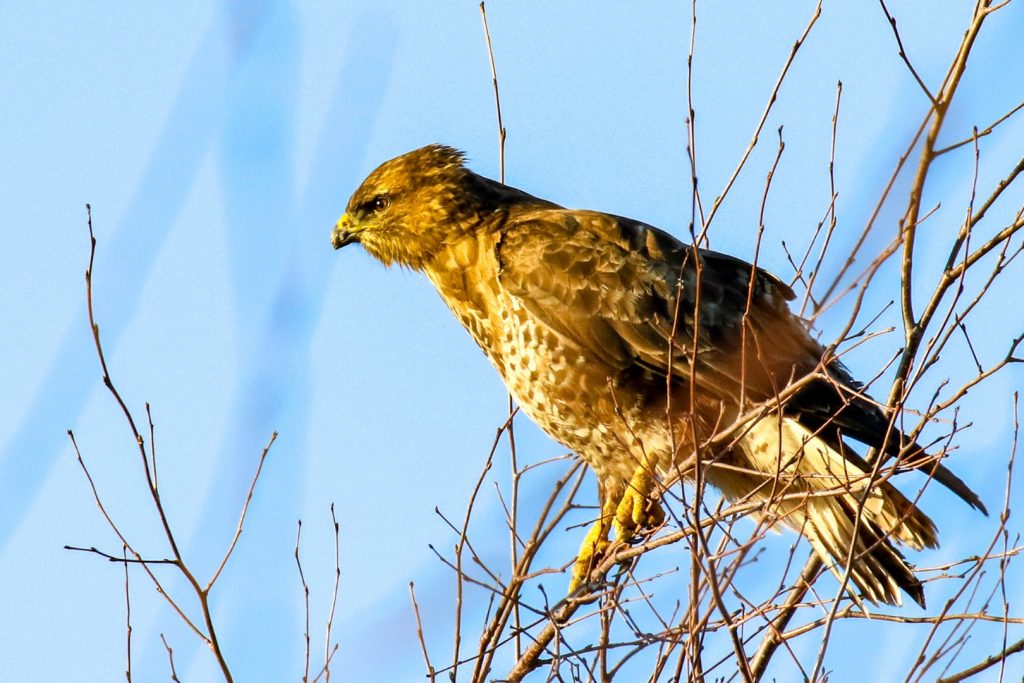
(638, 508)
(628, 509)
(594, 544)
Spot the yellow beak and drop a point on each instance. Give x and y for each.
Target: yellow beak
(343, 232)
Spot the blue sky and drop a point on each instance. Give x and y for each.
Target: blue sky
(218, 143)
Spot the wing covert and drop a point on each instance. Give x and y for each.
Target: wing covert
(611, 285)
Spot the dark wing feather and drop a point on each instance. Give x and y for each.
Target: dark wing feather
(622, 290)
(610, 285)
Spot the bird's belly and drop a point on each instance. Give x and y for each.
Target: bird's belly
(574, 398)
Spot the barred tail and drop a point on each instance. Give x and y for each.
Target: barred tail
(816, 491)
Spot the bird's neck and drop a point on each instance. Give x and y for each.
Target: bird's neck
(465, 273)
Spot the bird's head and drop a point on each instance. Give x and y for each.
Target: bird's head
(407, 209)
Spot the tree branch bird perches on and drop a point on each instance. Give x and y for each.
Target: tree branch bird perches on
(632, 349)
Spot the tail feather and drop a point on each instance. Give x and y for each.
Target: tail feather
(823, 491)
(877, 569)
(843, 411)
(944, 476)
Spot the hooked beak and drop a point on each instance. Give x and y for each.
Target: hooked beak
(343, 233)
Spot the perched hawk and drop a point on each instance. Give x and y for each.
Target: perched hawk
(633, 349)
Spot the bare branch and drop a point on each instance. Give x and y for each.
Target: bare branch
(170, 659)
(419, 634)
(328, 650)
(241, 517)
(497, 96)
(305, 595)
(127, 614)
(905, 58)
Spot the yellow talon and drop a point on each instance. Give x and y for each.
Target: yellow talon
(594, 545)
(638, 508)
(635, 509)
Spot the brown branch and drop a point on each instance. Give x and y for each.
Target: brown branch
(511, 595)
(124, 541)
(497, 96)
(152, 445)
(305, 596)
(462, 544)
(115, 558)
(170, 659)
(514, 512)
(127, 615)
(905, 58)
(982, 133)
(988, 662)
(854, 612)
(208, 633)
(241, 517)
(772, 640)
(975, 572)
(419, 634)
(862, 238)
(909, 222)
(325, 670)
(696, 206)
(830, 214)
(108, 382)
(328, 651)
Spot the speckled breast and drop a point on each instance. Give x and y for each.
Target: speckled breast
(572, 397)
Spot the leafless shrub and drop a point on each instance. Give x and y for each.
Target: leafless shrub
(203, 624)
(719, 617)
(696, 600)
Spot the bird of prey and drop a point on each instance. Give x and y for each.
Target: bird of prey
(634, 350)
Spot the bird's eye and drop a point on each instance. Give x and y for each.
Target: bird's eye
(379, 203)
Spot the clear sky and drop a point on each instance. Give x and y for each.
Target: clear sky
(219, 142)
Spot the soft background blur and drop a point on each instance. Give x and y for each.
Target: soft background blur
(218, 143)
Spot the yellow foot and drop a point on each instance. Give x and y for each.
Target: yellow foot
(630, 512)
(638, 508)
(594, 545)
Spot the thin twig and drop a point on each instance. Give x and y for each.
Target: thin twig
(170, 659)
(305, 596)
(419, 634)
(497, 96)
(904, 57)
(241, 516)
(208, 633)
(328, 651)
(987, 130)
(127, 614)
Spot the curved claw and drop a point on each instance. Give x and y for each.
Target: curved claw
(638, 509)
(634, 510)
(594, 545)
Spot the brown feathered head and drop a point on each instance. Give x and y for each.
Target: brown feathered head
(409, 206)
